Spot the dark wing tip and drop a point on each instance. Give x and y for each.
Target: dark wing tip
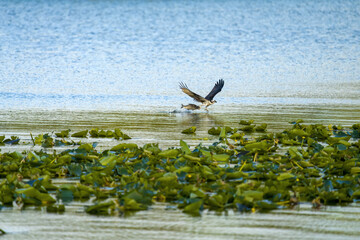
(220, 82)
(182, 85)
(216, 89)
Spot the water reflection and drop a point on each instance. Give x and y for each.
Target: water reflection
(196, 119)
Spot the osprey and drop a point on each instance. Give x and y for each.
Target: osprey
(207, 101)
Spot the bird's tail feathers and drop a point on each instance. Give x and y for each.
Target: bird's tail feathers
(182, 105)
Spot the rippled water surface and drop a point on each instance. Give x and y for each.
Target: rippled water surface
(82, 64)
(159, 223)
(90, 54)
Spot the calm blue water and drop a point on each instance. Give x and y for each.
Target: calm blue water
(126, 54)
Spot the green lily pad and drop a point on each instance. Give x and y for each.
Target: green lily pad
(243, 122)
(248, 128)
(285, 176)
(214, 131)
(237, 135)
(120, 134)
(63, 134)
(107, 160)
(132, 205)
(252, 195)
(86, 146)
(261, 128)
(185, 148)
(295, 153)
(192, 158)
(258, 146)
(123, 146)
(171, 153)
(100, 208)
(81, 134)
(220, 157)
(194, 208)
(298, 133)
(55, 209)
(218, 201)
(32, 193)
(94, 133)
(355, 170)
(190, 130)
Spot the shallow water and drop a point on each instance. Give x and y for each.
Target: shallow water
(83, 64)
(165, 127)
(159, 223)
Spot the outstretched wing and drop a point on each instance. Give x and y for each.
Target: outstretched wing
(216, 89)
(195, 96)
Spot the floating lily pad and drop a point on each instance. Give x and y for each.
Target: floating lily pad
(194, 208)
(119, 134)
(101, 208)
(258, 146)
(243, 122)
(185, 147)
(171, 153)
(285, 176)
(81, 134)
(63, 134)
(214, 131)
(55, 209)
(261, 128)
(33, 196)
(237, 136)
(123, 146)
(190, 130)
(248, 128)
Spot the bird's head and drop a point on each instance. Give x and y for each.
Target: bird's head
(213, 101)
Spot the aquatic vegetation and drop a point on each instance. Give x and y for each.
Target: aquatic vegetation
(240, 171)
(244, 122)
(48, 140)
(261, 128)
(190, 130)
(81, 134)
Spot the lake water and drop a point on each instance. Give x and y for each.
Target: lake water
(83, 64)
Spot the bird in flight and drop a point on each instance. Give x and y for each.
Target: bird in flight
(206, 101)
